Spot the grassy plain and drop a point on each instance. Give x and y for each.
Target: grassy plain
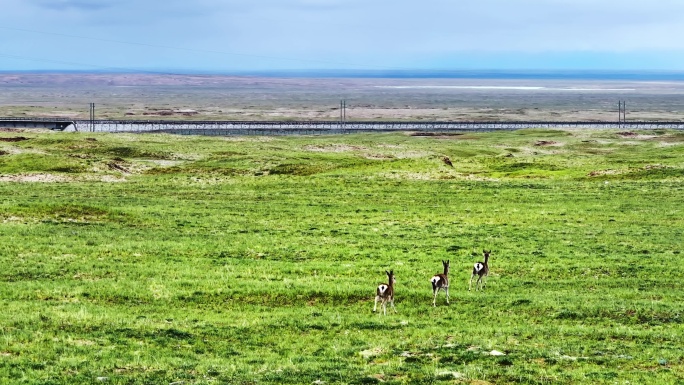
(159, 259)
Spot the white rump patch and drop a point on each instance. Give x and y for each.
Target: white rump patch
(382, 289)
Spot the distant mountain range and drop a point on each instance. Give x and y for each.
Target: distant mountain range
(404, 74)
(483, 74)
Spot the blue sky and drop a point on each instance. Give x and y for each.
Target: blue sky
(249, 35)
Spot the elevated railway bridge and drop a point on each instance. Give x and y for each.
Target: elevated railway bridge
(49, 123)
(227, 128)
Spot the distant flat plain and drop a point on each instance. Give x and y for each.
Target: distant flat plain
(216, 97)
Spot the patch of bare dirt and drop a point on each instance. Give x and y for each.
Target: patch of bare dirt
(164, 162)
(668, 139)
(653, 167)
(545, 143)
(437, 175)
(605, 172)
(41, 178)
(635, 135)
(334, 148)
(55, 178)
(379, 156)
(80, 156)
(389, 146)
(409, 175)
(367, 153)
(443, 135)
(118, 167)
(14, 139)
(648, 167)
(167, 112)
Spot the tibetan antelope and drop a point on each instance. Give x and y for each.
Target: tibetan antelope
(481, 269)
(440, 282)
(385, 293)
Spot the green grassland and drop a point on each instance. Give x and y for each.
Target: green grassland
(159, 259)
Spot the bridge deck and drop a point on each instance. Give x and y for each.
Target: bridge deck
(333, 127)
(222, 128)
(49, 123)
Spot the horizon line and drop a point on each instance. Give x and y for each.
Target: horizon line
(579, 74)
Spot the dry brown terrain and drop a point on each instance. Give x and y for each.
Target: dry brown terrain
(195, 97)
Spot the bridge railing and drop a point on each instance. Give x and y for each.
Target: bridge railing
(292, 127)
(237, 127)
